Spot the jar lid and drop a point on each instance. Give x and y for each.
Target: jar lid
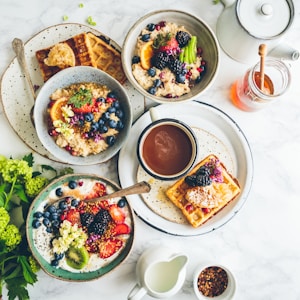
(265, 19)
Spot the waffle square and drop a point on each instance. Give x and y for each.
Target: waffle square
(199, 204)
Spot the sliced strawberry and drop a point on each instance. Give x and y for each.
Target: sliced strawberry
(86, 108)
(73, 216)
(120, 229)
(170, 45)
(110, 247)
(98, 190)
(117, 214)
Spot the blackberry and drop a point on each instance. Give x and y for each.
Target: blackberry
(203, 170)
(176, 66)
(160, 60)
(97, 228)
(86, 219)
(190, 180)
(182, 38)
(203, 180)
(102, 216)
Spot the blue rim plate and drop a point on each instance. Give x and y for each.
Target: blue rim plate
(41, 200)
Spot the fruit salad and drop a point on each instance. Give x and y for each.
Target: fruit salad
(80, 236)
(85, 118)
(167, 61)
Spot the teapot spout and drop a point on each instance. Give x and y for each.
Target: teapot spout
(284, 51)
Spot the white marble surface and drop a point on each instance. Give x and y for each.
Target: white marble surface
(261, 245)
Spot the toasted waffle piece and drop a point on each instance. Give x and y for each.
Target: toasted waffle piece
(87, 50)
(80, 44)
(106, 57)
(199, 203)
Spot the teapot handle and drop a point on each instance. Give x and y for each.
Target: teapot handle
(227, 3)
(137, 293)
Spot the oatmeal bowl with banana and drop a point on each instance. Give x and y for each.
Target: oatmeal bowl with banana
(82, 116)
(170, 56)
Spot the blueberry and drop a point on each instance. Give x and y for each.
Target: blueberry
(105, 116)
(120, 125)
(180, 78)
(152, 72)
(119, 113)
(111, 109)
(46, 214)
(111, 95)
(116, 104)
(103, 129)
(112, 124)
(72, 184)
(59, 192)
(101, 122)
(145, 37)
(58, 256)
(150, 26)
(62, 205)
(53, 216)
(152, 90)
(54, 263)
(89, 117)
(135, 59)
(100, 100)
(94, 126)
(198, 79)
(37, 214)
(156, 82)
(51, 209)
(110, 140)
(74, 202)
(121, 202)
(49, 229)
(55, 223)
(46, 222)
(36, 223)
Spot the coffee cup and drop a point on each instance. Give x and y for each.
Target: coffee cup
(167, 147)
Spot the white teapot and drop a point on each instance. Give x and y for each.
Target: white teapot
(245, 24)
(160, 273)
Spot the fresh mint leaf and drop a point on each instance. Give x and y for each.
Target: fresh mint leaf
(29, 158)
(81, 97)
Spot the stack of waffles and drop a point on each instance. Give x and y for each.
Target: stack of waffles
(199, 203)
(84, 49)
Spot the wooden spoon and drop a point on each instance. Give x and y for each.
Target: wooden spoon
(18, 47)
(262, 51)
(138, 188)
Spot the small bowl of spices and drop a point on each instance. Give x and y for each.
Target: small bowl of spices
(214, 281)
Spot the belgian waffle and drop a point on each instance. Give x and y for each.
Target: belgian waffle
(199, 204)
(89, 50)
(80, 44)
(106, 57)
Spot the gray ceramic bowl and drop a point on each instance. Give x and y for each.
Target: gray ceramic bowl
(63, 79)
(206, 40)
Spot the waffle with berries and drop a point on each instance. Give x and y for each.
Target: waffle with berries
(84, 49)
(205, 191)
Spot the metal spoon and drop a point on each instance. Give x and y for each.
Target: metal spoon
(18, 47)
(138, 188)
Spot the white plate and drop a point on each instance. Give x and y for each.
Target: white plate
(15, 94)
(222, 129)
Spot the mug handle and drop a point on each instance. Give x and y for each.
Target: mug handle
(137, 293)
(154, 115)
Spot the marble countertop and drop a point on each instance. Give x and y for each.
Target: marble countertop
(261, 243)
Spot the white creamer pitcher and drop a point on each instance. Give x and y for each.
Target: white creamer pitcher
(160, 273)
(245, 24)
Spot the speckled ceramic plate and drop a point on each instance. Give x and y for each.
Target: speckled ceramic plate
(39, 239)
(217, 134)
(15, 94)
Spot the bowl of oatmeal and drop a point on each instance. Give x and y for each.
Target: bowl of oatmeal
(82, 116)
(171, 56)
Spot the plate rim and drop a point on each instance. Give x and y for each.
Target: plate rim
(243, 197)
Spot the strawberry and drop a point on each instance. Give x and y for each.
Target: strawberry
(98, 190)
(73, 216)
(86, 108)
(117, 214)
(109, 247)
(169, 46)
(120, 229)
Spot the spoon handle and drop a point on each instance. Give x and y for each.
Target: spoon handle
(18, 47)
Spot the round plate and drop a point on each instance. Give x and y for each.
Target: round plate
(221, 134)
(38, 239)
(14, 91)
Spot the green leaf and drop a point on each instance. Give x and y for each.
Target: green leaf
(29, 276)
(80, 98)
(30, 159)
(20, 192)
(48, 168)
(17, 289)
